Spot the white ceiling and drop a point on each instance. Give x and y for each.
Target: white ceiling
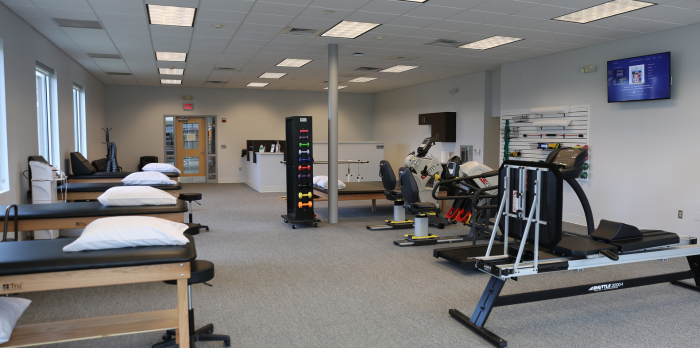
(250, 40)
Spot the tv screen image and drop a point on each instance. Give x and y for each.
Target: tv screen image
(640, 78)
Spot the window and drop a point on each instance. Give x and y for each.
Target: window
(46, 114)
(79, 119)
(4, 173)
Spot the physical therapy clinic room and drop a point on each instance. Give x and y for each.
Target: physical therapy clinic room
(349, 173)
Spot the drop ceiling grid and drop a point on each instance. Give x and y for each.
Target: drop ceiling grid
(251, 41)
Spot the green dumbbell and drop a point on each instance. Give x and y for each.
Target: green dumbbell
(585, 166)
(584, 175)
(302, 144)
(301, 195)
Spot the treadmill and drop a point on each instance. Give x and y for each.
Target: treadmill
(568, 161)
(530, 212)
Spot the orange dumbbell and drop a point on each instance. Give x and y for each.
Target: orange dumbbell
(307, 167)
(309, 205)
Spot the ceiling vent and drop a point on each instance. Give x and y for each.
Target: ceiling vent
(301, 31)
(119, 73)
(227, 69)
(216, 81)
(445, 43)
(366, 68)
(402, 58)
(74, 23)
(102, 55)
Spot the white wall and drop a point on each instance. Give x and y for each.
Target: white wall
(136, 114)
(396, 115)
(23, 46)
(644, 163)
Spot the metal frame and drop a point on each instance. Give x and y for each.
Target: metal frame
(206, 139)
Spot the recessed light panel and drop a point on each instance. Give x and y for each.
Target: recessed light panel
(257, 84)
(272, 75)
(491, 42)
(363, 79)
(399, 68)
(339, 87)
(608, 9)
(294, 63)
(171, 15)
(349, 30)
(171, 71)
(170, 82)
(171, 56)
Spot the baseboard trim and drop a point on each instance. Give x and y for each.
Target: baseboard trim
(231, 180)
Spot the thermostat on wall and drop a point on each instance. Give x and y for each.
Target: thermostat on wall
(188, 106)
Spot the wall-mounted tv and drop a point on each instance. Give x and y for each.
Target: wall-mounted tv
(640, 78)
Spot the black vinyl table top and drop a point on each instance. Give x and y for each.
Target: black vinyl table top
(104, 186)
(84, 209)
(357, 187)
(110, 175)
(42, 256)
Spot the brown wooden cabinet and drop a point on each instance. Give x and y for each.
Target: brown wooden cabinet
(443, 126)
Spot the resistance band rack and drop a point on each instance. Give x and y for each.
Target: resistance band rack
(300, 173)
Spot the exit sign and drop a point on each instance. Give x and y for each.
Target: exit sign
(188, 106)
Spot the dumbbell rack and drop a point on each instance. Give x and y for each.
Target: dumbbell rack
(300, 173)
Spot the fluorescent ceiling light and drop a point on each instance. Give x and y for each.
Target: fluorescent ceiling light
(339, 87)
(171, 56)
(349, 30)
(171, 15)
(272, 75)
(171, 71)
(294, 63)
(257, 84)
(608, 9)
(363, 79)
(491, 42)
(170, 82)
(399, 68)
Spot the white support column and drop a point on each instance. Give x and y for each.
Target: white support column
(333, 133)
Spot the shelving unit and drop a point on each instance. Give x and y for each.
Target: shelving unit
(300, 171)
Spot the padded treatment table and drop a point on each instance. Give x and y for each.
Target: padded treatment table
(109, 177)
(42, 265)
(90, 191)
(33, 217)
(359, 191)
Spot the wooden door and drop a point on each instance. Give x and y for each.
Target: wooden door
(191, 146)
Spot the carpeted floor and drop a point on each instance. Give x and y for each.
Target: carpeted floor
(345, 286)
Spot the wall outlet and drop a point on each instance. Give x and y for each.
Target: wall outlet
(240, 169)
(223, 147)
(680, 214)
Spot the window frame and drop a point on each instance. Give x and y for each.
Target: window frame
(79, 119)
(4, 160)
(48, 121)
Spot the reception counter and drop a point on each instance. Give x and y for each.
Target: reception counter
(266, 173)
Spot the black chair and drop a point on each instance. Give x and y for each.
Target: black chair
(192, 197)
(201, 272)
(146, 160)
(422, 211)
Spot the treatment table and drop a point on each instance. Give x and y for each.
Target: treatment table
(90, 191)
(359, 191)
(32, 217)
(42, 265)
(109, 177)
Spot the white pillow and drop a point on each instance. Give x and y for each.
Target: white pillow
(11, 308)
(161, 167)
(147, 178)
(322, 181)
(136, 195)
(129, 231)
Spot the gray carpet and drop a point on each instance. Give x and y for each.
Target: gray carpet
(344, 286)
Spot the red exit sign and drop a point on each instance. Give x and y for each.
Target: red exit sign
(188, 106)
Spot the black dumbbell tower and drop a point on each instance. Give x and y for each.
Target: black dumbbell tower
(300, 172)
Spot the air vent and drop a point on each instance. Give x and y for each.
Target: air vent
(227, 69)
(74, 23)
(119, 73)
(366, 68)
(445, 43)
(216, 81)
(301, 31)
(102, 55)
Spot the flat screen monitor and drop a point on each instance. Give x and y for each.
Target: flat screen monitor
(640, 78)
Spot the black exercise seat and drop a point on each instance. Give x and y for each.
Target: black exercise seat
(200, 272)
(389, 181)
(189, 198)
(192, 229)
(411, 196)
(417, 207)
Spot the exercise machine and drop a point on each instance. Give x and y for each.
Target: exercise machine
(423, 166)
(389, 183)
(530, 212)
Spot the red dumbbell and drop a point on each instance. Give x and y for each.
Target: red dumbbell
(304, 131)
(307, 167)
(309, 205)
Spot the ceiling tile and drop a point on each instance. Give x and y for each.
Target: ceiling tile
(432, 11)
(370, 17)
(277, 9)
(656, 12)
(476, 16)
(340, 4)
(111, 65)
(118, 6)
(388, 6)
(220, 15)
(685, 18)
(503, 6)
(69, 14)
(227, 5)
(313, 23)
(650, 26)
(691, 4)
(418, 22)
(544, 12)
(64, 4)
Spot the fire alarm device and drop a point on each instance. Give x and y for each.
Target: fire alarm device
(188, 106)
(223, 120)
